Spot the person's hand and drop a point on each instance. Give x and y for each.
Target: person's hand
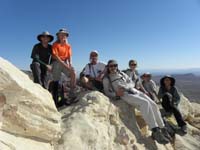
(120, 92)
(67, 66)
(49, 68)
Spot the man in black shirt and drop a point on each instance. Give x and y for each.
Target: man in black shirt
(41, 55)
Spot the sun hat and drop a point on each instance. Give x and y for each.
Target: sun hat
(63, 30)
(45, 33)
(173, 81)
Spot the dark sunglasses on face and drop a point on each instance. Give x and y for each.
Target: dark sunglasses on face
(112, 66)
(133, 64)
(93, 55)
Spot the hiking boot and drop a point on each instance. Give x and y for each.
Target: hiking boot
(166, 134)
(159, 137)
(184, 129)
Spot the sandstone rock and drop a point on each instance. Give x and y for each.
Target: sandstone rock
(27, 109)
(96, 123)
(12, 142)
(186, 108)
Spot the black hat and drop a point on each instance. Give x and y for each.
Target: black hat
(45, 33)
(63, 30)
(173, 81)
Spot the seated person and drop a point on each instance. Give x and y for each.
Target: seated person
(149, 85)
(62, 54)
(93, 73)
(134, 75)
(170, 99)
(41, 55)
(117, 85)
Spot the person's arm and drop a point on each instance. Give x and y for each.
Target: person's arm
(34, 53)
(109, 92)
(176, 96)
(103, 69)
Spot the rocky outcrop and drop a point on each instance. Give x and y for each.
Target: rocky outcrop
(96, 123)
(26, 109)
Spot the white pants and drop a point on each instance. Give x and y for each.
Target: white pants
(147, 107)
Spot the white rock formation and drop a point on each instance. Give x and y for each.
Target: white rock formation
(26, 109)
(95, 123)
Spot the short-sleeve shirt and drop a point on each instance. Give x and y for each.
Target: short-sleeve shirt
(94, 70)
(63, 51)
(41, 52)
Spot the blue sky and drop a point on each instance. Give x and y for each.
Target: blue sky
(159, 34)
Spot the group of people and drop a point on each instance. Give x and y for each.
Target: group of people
(127, 85)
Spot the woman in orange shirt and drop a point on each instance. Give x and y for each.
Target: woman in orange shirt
(62, 53)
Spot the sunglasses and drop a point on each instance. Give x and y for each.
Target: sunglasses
(112, 66)
(133, 64)
(93, 55)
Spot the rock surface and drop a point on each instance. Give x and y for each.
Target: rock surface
(26, 109)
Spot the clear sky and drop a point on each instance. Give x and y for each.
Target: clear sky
(159, 34)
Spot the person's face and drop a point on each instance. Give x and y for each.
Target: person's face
(112, 68)
(133, 65)
(45, 39)
(167, 82)
(62, 37)
(94, 57)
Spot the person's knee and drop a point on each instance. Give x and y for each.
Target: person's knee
(34, 65)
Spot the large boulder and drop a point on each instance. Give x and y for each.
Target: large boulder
(96, 123)
(26, 109)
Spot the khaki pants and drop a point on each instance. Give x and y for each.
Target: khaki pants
(57, 69)
(147, 107)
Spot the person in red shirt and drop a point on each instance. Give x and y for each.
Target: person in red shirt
(62, 53)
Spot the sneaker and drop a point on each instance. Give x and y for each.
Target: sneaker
(166, 134)
(159, 137)
(184, 129)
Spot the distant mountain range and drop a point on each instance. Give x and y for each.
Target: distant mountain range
(187, 83)
(195, 71)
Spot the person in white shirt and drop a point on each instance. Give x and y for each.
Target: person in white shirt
(93, 73)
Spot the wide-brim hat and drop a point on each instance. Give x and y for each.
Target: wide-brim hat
(173, 81)
(45, 33)
(64, 31)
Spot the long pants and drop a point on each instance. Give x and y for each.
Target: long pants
(39, 73)
(57, 69)
(147, 107)
(167, 105)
